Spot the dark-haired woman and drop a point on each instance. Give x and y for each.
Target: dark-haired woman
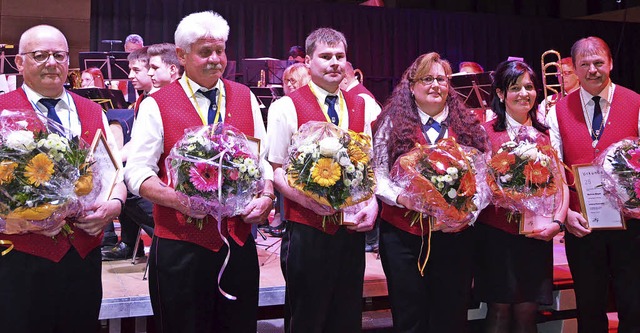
(515, 272)
(436, 302)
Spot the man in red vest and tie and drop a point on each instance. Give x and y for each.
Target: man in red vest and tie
(51, 281)
(185, 261)
(582, 125)
(323, 267)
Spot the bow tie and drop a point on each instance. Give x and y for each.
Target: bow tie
(431, 124)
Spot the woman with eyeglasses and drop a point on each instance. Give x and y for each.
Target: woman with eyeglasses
(438, 301)
(515, 272)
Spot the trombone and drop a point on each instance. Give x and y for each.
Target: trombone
(554, 69)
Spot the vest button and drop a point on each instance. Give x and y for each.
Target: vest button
(597, 150)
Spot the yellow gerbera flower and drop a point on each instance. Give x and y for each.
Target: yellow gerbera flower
(326, 172)
(6, 171)
(39, 169)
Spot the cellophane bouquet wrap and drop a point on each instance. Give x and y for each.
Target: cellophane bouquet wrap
(44, 177)
(445, 181)
(330, 165)
(621, 165)
(525, 174)
(216, 169)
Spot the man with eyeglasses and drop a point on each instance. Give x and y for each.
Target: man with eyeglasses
(50, 281)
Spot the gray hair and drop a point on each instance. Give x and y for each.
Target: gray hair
(327, 36)
(208, 24)
(134, 39)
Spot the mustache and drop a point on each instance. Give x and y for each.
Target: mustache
(214, 66)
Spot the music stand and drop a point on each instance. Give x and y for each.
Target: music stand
(474, 89)
(273, 70)
(113, 65)
(107, 98)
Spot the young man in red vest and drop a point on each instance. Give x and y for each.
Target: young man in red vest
(323, 267)
(598, 257)
(164, 66)
(50, 281)
(184, 260)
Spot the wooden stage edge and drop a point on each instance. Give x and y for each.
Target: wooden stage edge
(126, 294)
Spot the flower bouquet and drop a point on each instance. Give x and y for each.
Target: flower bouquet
(443, 181)
(44, 177)
(621, 165)
(216, 169)
(524, 174)
(330, 165)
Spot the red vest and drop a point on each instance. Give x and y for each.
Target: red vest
(576, 140)
(54, 248)
(496, 216)
(360, 89)
(178, 114)
(308, 109)
(401, 217)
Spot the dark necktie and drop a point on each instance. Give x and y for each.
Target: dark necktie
(596, 124)
(212, 95)
(131, 92)
(50, 104)
(331, 111)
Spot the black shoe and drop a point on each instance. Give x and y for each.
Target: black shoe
(278, 231)
(122, 251)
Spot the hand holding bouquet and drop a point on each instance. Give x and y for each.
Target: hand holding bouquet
(443, 181)
(621, 164)
(524, 174)
(216, 170)
(330, 165)
(44, 177)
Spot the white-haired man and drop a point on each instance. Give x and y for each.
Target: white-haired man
(185, 261)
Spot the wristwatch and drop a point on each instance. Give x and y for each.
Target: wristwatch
(562, 226)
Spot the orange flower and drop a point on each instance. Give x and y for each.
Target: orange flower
(467, 185)
(6, 171)
(536, 173)
(439, 161)
(502, 162)
(39, 169)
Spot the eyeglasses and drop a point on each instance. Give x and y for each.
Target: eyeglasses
(41, 57)
(428, 80)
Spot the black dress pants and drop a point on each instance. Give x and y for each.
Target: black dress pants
(596, 260)
(438, 301)
(41, 296)
(324, 276)
(183, 285)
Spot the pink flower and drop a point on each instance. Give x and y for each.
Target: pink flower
(636, 187)
(233, 174)
(634, 159)
(204, 177)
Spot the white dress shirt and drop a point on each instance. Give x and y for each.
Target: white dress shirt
(283, 121)
(386, 189)
(606, 96)
(147, 135)
(68, 114)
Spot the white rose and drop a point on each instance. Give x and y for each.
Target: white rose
(21, 140)
(447, 179)
(452, 171)
(329, 146)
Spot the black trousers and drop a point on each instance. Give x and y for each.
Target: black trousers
(324, 276)
(138, 212)
(41, 296)
(438, 301)
(596, 260)
(183, 285)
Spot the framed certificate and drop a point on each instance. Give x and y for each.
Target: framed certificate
(104, 165)
(254, 145)
(530, 221)
(597, 209)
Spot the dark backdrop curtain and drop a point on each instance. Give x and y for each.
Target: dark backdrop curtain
(382, 41)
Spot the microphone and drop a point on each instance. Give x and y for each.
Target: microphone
(111, 41)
